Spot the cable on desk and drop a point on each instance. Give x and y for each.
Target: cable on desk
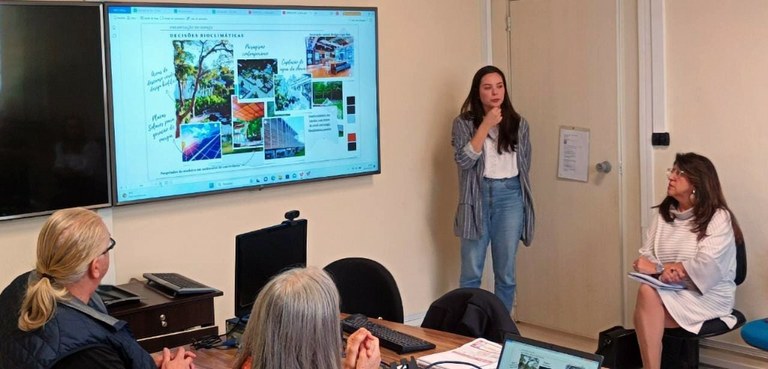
(452, 362)
(206, 342)
(214, 341)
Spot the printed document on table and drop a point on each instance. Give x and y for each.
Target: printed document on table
(480, 352)
(654, 282)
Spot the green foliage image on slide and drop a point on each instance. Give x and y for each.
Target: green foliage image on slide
(204, 81)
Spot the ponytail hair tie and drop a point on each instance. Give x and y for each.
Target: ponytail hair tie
(46, 275)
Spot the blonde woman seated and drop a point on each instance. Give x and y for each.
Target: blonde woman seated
(294, 324)
(692, 241)
(51, 317)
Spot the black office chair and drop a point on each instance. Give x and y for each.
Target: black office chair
(681, 348)
(472, 312)
(366, 287)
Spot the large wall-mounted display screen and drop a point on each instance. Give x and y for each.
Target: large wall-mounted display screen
(53, 120)
(210, 98)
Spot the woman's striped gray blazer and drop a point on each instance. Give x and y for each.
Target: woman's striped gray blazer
(468, 221)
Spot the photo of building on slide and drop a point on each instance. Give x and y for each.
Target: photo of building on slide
(256, 78)
(205, 80)
(283, 137)
(329, 94)
(293, 92)
(201, 141)
(245, 135)
(330, 56)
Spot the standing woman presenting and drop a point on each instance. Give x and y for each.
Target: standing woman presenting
(493, 154)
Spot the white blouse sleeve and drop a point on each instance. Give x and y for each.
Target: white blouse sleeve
(648, 250)
(715, 259)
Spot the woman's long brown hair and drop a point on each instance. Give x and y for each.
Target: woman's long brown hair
(709, 196)
(472, 109)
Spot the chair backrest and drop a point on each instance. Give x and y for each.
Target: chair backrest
(366, 287)
(741, 263)
(472, 312)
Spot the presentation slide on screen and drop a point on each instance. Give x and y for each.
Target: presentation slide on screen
(208, 99)
(519, 355)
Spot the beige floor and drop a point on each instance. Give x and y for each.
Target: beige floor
(558, 338)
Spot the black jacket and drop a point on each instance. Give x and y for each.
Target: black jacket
(472, 312)
(74, 327)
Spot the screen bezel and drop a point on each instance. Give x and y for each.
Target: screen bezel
(109, 97)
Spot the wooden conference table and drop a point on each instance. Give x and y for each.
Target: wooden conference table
(220, 359)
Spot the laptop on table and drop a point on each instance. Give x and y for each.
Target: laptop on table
(524, 353)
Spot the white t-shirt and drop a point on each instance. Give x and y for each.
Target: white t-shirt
(497, 165)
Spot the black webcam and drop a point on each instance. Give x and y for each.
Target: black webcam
(291, 215)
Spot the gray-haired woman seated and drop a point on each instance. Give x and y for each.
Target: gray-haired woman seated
(51, 317)
(294, 324)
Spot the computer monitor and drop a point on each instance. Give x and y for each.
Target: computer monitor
(264, 253)
(522, 352)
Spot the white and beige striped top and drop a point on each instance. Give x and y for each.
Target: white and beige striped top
(710, 263)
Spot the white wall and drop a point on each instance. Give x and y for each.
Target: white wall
(717, 88)
(428, 51)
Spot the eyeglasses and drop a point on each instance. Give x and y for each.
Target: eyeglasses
(111, 246)
(674, 173)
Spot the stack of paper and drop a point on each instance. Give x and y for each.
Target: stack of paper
(654, 282)
(480, 352)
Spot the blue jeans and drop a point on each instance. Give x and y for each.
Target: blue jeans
(502, 226)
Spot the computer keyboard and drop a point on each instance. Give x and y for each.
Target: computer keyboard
(176, 283)
(388, 338)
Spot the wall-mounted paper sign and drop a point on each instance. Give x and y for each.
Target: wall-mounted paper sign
(573, 161)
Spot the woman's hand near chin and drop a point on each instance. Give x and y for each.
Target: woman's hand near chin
(492, 117)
